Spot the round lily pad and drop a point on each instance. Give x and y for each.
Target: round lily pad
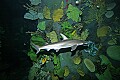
(89, 64)
(109, 14)
(114, 52)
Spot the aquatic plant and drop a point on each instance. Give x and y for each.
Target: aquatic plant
(76, 59)
(74, 13)
(110, 6)
(35, 2)
(37, 39)
(113, 41)
(67, 72)
(103, 31)
(105, 76)
(84, 34)
(32, 73)
(104, 60)
(81, 72)
(57, 14)
(97, 8)
(114, 52)
(41, 25)
(53, 36)
(92, 49)
(89, 64)
(32, 55)
(33, 15)
(46, 12)
(109, 12)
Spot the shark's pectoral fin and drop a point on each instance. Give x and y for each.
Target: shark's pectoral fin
(73, 47)
(57, 50)
(48, 49)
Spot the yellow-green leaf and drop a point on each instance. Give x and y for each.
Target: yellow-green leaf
(46, 13)
(57, 14)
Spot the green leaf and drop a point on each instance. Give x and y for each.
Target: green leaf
(35, 2)
(41, 25)
(38, 40)
(73, 13)
(53, 36)
(32, 55)
(32, 15)
(66, 25)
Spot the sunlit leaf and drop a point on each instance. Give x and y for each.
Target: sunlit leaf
(57, 14)
(46, 13)
(41, 25)
(73, 13)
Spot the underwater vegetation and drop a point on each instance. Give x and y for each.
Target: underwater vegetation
(92, 59)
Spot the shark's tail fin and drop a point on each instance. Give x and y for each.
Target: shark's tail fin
(36, 47)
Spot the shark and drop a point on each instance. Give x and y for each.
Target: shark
(65, 43)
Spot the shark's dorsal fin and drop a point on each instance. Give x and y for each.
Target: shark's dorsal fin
(63, 36)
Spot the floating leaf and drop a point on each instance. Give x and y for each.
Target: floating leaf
(53, 77)
(84, 34)
(80, 71)
(40, 15)
(89, 64)
(66, 73)
(35, 2)
(57, 14)
(66, 25)
(41, 25)
(77, 59)
(111, 6)
(32, 55)
(105, 60)
(32, 15)
(32, 73)
(109, 14)
(105, 76)
(46, 13)
(114, 52)
(73, 13)
(53, 36)
(112, 42)
(38, 40)
(103, 31)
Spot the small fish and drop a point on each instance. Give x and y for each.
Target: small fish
(65, 43)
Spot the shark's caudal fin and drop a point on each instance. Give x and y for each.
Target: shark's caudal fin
(63, 36)
(36, 47)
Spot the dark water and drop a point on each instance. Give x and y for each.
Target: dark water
(14, 61)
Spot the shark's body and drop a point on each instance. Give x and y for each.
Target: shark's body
(65, 43)
(60, 45)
